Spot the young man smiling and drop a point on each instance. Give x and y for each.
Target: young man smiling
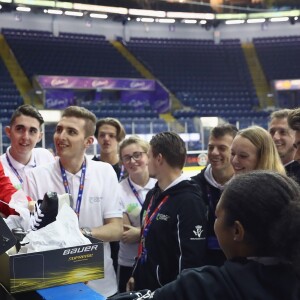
(212, 180)
(284, 138)
(24, 132)
(93, 186)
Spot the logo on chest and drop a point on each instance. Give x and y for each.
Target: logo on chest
(162, 217)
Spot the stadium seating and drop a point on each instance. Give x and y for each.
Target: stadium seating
(210, 79)
(41, 53)
(279, 56)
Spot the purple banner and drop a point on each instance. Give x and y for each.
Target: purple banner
(59, 99)
(101, 83)
(62, 91)
(160, 100)
(136, 99)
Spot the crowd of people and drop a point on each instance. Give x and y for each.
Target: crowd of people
(230, 232)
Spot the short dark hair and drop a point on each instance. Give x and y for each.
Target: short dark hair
(26, 110)
(82, 113)
(121, 133)
(294, 119)
(222, 130)
(267, 204)
(280, 114)
(171, 146)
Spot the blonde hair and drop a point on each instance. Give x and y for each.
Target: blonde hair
(267, 154)
(134, 139)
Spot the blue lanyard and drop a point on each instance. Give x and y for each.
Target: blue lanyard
(81, 185)
(135, 192)
(14, 170)
(121, 173)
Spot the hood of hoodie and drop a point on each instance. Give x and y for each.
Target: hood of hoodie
(210, 179)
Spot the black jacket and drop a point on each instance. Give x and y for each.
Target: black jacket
(211, 196)
(293, 170)
(236, 280)
(246, 280)
(176, 239)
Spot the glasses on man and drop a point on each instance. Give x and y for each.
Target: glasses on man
(135, 155)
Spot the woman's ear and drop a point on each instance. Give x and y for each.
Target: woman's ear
(239, 231)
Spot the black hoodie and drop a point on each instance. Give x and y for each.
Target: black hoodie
(236, 280)
(247, 280)
(176, 238)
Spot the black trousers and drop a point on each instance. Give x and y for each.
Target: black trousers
(124, 273)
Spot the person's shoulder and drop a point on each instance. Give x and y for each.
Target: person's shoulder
(101, 167)
(187, 185)
(43, 154)
(199, 178)
(293, 167)
(124, 183)
(43, 169)
(41, 150)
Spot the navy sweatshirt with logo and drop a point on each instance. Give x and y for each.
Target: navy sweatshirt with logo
(176, 237)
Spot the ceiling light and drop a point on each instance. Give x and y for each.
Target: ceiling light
(282, 19)
(36, 2)
(202, 22)
(147, 20)
(23, 9)
(185, 15)
(98, 16)
(251, 21)
(232, 22)
(73, 13)
(147, 13)
(106, 9)
(53, 11)
(230, 16)
(189, 21)
(167, 21)
(65, 5)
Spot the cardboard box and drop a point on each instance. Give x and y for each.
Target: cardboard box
(38, 270)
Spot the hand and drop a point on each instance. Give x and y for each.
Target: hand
(130, 234)
(130, 285)
(31, 205)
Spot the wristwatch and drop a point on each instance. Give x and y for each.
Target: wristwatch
(87, 231)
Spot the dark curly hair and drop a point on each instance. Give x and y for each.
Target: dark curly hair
(267, 204)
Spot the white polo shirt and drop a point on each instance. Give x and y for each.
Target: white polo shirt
(39, 156)
(100, 201)
(132, 208)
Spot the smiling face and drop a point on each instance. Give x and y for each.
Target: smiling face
(69, 138)
(284, 139)
(24, 134)
(219, 153)
(107, 139)
(244, 156)
(132, 166)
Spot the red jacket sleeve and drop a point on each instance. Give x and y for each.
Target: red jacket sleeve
(6, 192)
